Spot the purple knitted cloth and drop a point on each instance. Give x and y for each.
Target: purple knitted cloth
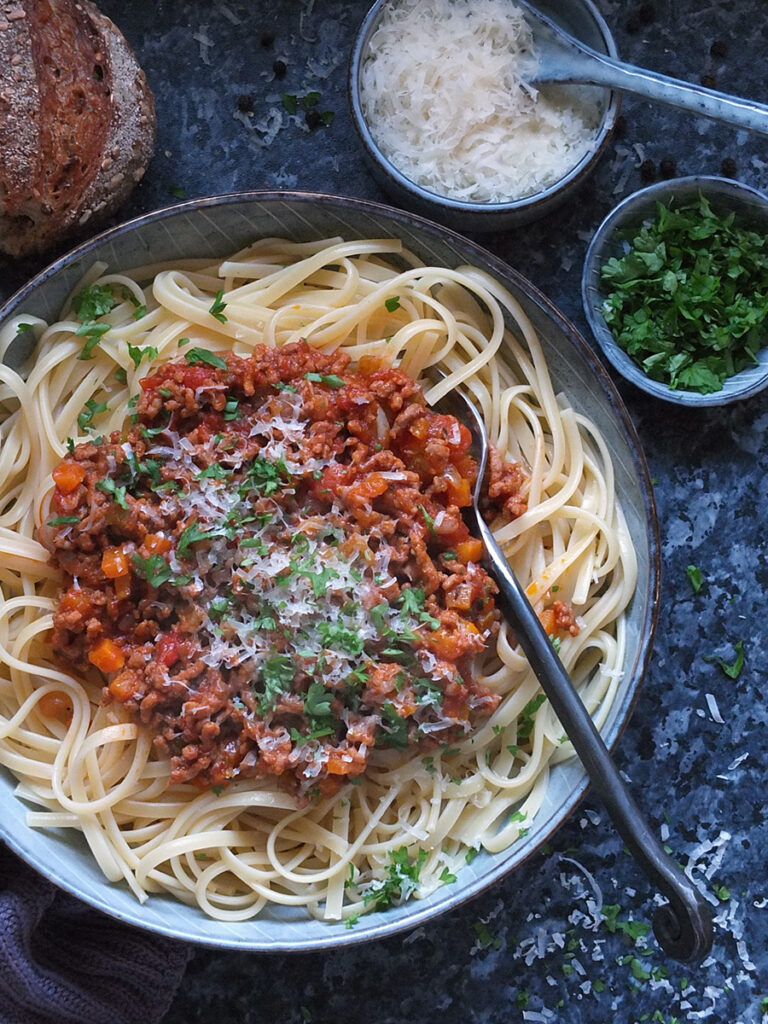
(61, 962)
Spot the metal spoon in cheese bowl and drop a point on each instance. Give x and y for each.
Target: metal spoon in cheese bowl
(683, 927)
(559, 57)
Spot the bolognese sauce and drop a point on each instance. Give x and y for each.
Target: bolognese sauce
(271, 567)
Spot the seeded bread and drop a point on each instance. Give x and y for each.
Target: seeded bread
(77, 121)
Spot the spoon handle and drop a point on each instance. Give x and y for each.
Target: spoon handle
(683, 927)
(601, 70)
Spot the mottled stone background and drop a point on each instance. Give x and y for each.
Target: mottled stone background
(696, 750)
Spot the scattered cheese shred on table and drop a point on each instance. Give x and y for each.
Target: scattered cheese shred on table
(443, 97)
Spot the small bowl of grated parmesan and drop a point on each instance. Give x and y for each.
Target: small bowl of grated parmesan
(447, 122)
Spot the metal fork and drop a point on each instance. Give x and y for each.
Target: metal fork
(683, 927)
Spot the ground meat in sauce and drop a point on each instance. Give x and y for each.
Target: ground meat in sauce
(271, 567)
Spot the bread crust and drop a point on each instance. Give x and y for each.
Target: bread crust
(77, 121)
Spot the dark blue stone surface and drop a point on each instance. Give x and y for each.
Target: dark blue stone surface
(534, 948)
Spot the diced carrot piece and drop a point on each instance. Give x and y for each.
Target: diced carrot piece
(114, 563)
(458, 490)
(156, 543)
(68, 475)
(124, 686)
(371, 486)
(547, 619)
(123, 587)
(369, 364)
(419, 428)
(106, 656)
(76, 601)
(469, 550)
(56, 705)
(341, 762)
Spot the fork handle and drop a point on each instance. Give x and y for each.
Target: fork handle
(683, 927)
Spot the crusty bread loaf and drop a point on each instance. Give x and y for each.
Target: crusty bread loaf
(77, 121)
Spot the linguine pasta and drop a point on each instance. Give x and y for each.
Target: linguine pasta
(415, 817)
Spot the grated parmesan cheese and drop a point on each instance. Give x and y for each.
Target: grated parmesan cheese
(442, 93)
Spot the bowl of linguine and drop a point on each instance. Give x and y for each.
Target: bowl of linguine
(347, 784)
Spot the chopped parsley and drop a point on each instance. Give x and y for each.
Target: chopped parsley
(392, 304)
(93, 332)
(155, 570)
(331, 380)
(93, 301)
(732, 670)
(92, 408)
(231, 409)
(394, 728)
(688, 301)
(277, 675)
(528, 716)
(115, 491)
(202, 355)
(137, 354)
(63, 521)
(428, 520)
(695, 577)
(401, 882)
(218, 306)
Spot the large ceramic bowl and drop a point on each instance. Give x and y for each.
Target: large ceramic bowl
(217, 227)
(581, 19)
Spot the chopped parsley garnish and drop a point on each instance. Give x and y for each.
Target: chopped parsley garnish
(695, 577)
(63, 521)
(300, 738)
(428, 520)
(155, 570)
(231, 409)
(192, 534)
(277, 675)
(528, 716)
(218, 306)
(331, 380)
(732, 670)
(317, 703)
(689, 298)
(116, 492)
(264, 476)
(401, 882)
(394, 728)
(92, 408)
(93, 332)
(336, 635)
(202, 355)
(213, 472)
(392, 304)
(137, 354)
(634, 929)
(93, 301)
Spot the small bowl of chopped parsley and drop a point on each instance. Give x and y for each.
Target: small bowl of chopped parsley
(675, 288)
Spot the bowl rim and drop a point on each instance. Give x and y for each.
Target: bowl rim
(446, 203)
(473, 884)
(742, 385)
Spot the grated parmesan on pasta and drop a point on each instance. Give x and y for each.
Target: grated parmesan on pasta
(442, 93)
